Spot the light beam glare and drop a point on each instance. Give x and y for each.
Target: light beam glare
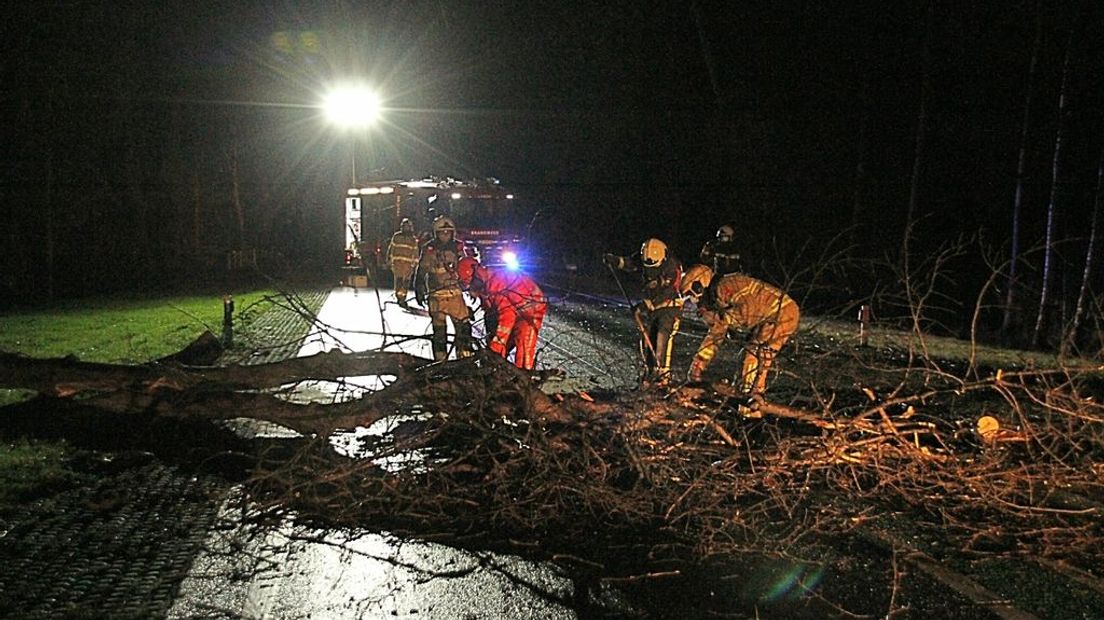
(352, 106)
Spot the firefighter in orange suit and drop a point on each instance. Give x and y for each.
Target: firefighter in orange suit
(738, 301)
(657, 315)
(402, 254)
(437, 288)
(513, 308)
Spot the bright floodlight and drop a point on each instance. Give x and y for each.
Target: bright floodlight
(353, 106)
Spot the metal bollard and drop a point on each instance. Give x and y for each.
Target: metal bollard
(864, 322)
(227, 320)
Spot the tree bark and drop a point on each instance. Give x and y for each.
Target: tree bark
(197, 210)
(215, 393)
(235, 194)
(921, 134)
(859, 226)
(50, 179)
(1090, 255)
(1052, 204)
(1017, 203)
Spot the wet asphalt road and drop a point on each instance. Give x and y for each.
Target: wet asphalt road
(143, 538)
(154, 541)
(299, 574)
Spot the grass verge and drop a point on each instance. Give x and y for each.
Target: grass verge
(127, 331)
(112, 330)
(28, 468)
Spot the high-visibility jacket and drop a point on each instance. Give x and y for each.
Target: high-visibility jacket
(403, 249)
(659, 284)
(658, 312)
(436, 275)
(514, 307)
(740, 301)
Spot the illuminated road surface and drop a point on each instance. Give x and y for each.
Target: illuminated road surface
(351, 320)
(362, 574)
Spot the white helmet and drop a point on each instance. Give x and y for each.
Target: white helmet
(653, 252)
(443, 223)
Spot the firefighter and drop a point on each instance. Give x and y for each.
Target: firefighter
(657, 314)
(513, 309)
(720, 253)
(402, 253)
(437, 288)
(738, 301)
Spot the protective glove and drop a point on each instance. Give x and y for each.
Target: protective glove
(706, 315)
(612, 260)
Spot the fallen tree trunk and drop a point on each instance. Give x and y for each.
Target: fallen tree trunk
(259, 391)
(67, 376)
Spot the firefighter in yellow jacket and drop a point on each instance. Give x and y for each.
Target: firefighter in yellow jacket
(657, 315)
(402, 254)
(738, 301)
(437, 287)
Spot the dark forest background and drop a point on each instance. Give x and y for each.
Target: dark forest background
(145, 142)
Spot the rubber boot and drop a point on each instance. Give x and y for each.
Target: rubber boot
(464, 339)
(440, 348)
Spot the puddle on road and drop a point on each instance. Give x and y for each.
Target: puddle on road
(353, 443)
(293, 572)
(358, 442)
(344, 390)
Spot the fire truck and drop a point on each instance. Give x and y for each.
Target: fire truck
(488, 220)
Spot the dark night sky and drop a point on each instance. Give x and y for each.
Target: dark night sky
(642, 118)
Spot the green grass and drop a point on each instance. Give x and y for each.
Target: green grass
(938, 347)
(120, 331)
(123, 331)
(29, 469)
(126, 331)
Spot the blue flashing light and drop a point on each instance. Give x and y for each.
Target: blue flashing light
(510, 259)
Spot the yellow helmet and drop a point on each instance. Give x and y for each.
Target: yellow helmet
(653, 252)
(443, 223)
(695, 281)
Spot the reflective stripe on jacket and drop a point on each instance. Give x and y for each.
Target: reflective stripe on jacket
(743, 301)
(515, 307)
(403, 248)
(512, 297)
